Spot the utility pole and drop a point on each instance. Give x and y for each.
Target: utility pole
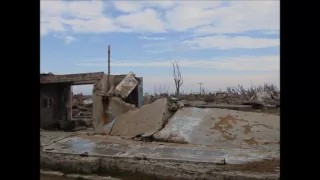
(200, 87)
(108, 67)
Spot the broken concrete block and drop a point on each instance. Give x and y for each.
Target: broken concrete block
(180, 104)
(261, 97)
(126, 86)
(174, 107)
(117, 107)
(222, 128)
(144, 121)
(221, 95)
(194, 103)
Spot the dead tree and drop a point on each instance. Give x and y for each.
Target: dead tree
(178, 80)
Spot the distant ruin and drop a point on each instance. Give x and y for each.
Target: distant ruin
(56, 97)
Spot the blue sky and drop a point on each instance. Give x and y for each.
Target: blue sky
(218, 43)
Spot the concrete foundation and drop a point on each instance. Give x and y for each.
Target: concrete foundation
(105, 155)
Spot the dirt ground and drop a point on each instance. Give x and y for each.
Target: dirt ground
(267, 165)
(46, 177)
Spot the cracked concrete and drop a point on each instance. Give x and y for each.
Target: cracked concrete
(96, 155)
(223, 128)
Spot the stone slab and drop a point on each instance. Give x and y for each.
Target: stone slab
(223, 128)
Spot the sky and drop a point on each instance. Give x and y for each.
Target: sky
(218, 43)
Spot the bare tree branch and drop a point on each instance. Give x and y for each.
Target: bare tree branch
(178, 79)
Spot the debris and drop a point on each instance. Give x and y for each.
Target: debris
(221, 95)
(174, 107)
(194, 103)
(180, 104)
(226, 106)
(140, 157)
(126, 86)
(261, 97)
(87, 102)
(145, 120)
(85, 154)
(223, 162)
(219, 127)
(107, 128)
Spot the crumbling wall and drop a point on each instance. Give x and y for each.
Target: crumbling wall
(118, 107)
(83, 78)
(101, 114)
(144, 121)
(58, 111)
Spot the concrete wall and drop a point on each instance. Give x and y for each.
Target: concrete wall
(83, 78)
(58, 92)
(100, 117)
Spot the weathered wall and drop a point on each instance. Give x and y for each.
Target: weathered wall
(118, 107)
(58, 111)
(83, 78)
(100, 115)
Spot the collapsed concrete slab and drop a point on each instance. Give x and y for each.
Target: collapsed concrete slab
(222, 128)
(144, 121)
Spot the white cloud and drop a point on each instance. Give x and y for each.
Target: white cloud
(145, 21)
(86, 9)
(227, 42)
(241, 16)
(127, 6)
(244, 63)
(67, 39)
(152, 38)
(98, 25)
(191, 14)
(135, 6)
(202, 17)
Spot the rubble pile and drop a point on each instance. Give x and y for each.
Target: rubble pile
(143, 121)
(261, 100)
(82, 110)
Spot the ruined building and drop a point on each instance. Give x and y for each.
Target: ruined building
(56, 96)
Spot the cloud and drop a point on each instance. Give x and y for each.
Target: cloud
(97, 25)
(67, 39)
(135, 6)
(53, 13)
(227, 42)
(145, 21)
(191, 14)
(272, 32)
(241, 16)
(200, 17)
(151, 38)
(244, 63)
